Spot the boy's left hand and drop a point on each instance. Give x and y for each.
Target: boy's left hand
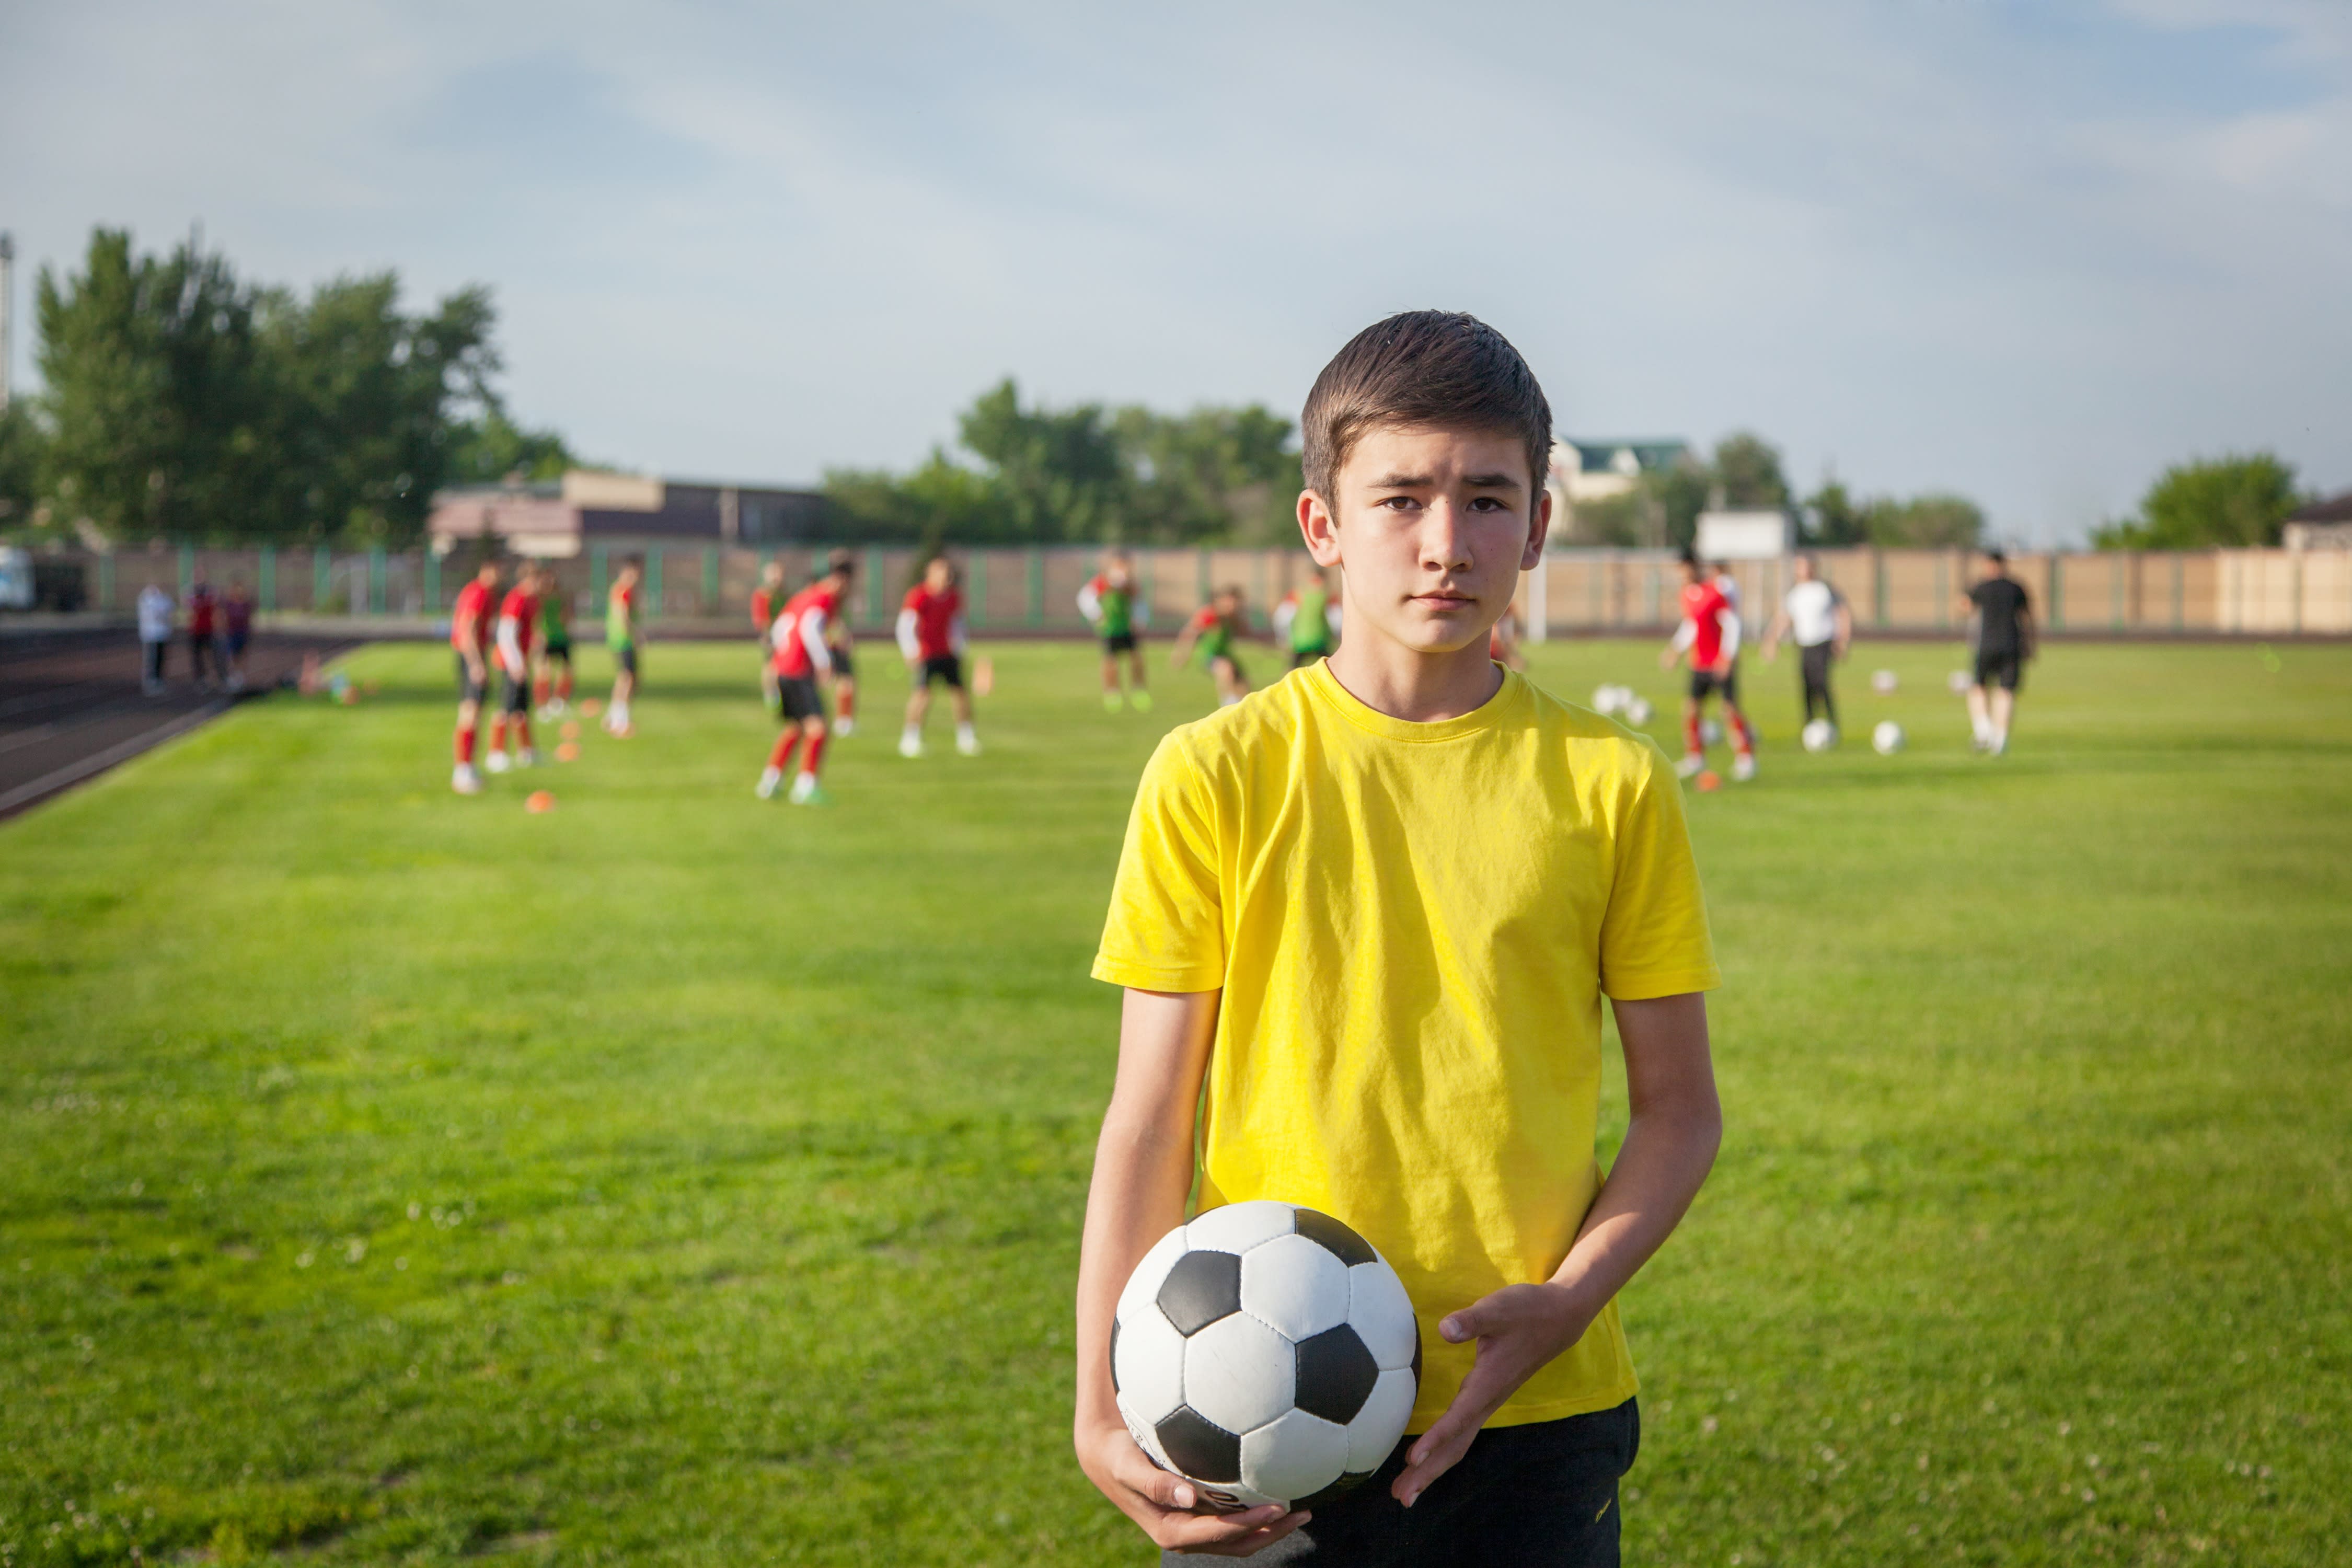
(1519, 1328)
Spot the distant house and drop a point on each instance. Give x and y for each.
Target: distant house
(1584, 472)
(2322, 525)
(561, 519)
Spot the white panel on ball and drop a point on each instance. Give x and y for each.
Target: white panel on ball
(1145, 1437)
(1151, 1273)
(1239, 1373)
(1374, 1434)
(1237, 1228)
(1382, 1315)
(1294, 1455)
(1147, 1363)
(1295, 1285)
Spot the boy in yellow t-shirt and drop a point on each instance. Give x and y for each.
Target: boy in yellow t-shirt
(1372, 912)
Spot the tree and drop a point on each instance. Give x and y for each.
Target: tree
(1833, 517)
(1748, 475)
(1059, 470)
(491, 448)
(23, 445)
(1934, 521)
(1213, 474)
(940, 501)
(2230, 500)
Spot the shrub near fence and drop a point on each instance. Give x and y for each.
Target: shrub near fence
(707, 587)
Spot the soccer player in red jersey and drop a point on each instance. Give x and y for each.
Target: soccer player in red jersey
(930, 633)
(844, 663)
(517, 631)
(469, 635)
(804, 651)
(767, 599)
(1710, 635)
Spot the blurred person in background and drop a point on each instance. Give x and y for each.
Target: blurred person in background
(1814, 617)
(767, 601)
(2000, 630)
(154, 636)
(236, 629)
(204, 648)
(841, 565)
(1213, 633)
(623, 616)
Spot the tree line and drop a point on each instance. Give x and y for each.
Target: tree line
(179, 400)
(1744, 474)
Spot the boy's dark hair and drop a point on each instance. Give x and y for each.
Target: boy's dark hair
(843, 560)
(1996, 554)
(1423, 368)
(1690, 558)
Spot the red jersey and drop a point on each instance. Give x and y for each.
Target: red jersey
(803, 621)
(473, 606)
(763, 610)
(200, 613)
(935, 619)
(1704, 606)
(519, 610)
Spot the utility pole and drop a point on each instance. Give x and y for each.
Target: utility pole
(8, 313)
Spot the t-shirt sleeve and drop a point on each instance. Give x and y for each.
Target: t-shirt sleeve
(1655, 940)
(1166, 927)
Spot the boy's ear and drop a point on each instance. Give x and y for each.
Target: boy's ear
(1319, 528)
(1538, 530)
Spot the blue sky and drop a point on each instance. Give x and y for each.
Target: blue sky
(2029, 252)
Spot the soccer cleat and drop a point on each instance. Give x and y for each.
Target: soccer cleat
(806, 791)
(968, 742)
(844, 728)
(1140, 698)
(497, 763)
(1743, 767)
(910, 744)
(1690, 765)
(1112, 702)
(770, 779)
(465, 779)
(528, 757)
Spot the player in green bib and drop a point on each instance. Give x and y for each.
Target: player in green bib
(554, 694)
(1111, 602)
(1211, 634)
(1308, 620)
(622, 617)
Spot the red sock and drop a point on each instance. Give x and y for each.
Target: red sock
(466, 742)
(538, 691)
(843, 704)
(522, 732)
(817, 750)
(782, 756)
(497, 731)
(1690, 734)
(563, 684)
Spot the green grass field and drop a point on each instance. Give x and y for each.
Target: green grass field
(680, 1178)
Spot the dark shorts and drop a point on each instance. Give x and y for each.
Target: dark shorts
(468, 689)
(236, 641)
(1814, 665)
(1119, 643)
(625, 659)
(947, 667)
(844, 667)
(557, 652)
(2000, 670)
(1538, 1496)
(799, 698)
(1705, 682)
(514, 693)
(1230, 662)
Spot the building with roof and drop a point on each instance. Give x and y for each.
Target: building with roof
(561, 519)
(2322, 525)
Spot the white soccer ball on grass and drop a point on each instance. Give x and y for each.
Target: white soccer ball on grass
(1639, 711)
(1887, 738)
(1958, 682)
(1819, 736)
(1607, 698)
(1883, 682)
(1266, 1354)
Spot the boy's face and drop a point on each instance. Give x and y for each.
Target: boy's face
(937, 576)
(1432, 527)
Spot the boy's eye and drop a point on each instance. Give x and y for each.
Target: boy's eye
(1400, 503)
(1486, 503)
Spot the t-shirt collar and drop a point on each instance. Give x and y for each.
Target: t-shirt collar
(1488, 715)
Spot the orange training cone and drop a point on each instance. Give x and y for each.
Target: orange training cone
(539, 801)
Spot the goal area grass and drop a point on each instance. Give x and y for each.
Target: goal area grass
(677, 1177)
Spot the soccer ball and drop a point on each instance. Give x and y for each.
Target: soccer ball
(1959, 682)
(1819, 736)
(1887, 739)
(1607, 698)
(1883, 682)
(1710, 732)
(1267, 1354)
(1639, 711)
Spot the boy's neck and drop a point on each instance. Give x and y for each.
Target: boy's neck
(1402, 682)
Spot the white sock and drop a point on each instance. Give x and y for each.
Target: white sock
(966, 736)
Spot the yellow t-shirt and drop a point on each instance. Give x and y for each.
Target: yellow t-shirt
(1413, 925)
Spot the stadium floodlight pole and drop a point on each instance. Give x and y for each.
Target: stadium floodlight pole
(7, 312)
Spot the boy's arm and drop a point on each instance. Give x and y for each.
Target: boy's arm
(1670, 1144)
(1684, 634)
(1775, 632)
(1143, 1171)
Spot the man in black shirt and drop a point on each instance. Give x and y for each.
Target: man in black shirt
(2001, 629)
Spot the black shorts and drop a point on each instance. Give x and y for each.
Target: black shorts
(468, 689)
(557, 653)
(799, 698)
(514, 693)
(625, 659)
(844, 667)
(1230, 662)
(1705, 682)
(236, 641)
(1119, 643)
(1539, 1495)
(2000, 670)
(947, 667)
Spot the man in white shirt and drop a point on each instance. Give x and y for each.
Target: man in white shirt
(154, 636)
(1814, 615)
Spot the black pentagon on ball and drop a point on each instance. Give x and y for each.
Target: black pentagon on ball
(1336, 1375)
(1197, 1447)
(1202, 1288)
(1335, 1237)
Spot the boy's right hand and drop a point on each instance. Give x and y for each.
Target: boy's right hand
(1163, 1504)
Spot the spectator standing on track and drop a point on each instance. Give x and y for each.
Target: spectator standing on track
(236, 629)
(154, 636)
(2001, 629)
(931, 636)
(1814, 617)
(621, 623)
(204, 649)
